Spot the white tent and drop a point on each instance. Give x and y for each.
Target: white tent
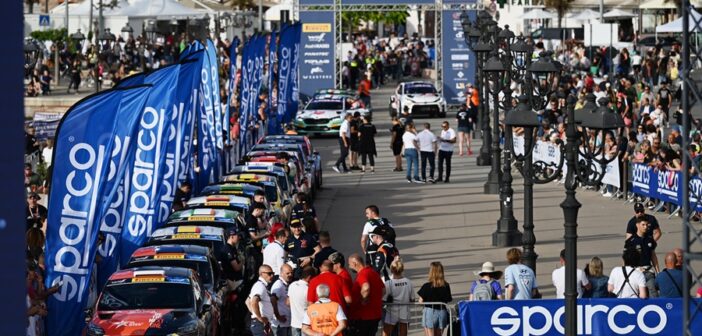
(658, 4)
(585, 15)
(676, 26)
(538, 13)
(273, 13)
(158, 9)
(618, 14)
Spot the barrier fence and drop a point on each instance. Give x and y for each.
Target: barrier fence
(413, 312)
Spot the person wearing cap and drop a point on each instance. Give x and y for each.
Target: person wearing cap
(653, 230)
(35, 213)
(234, 256)
(300, 245)
(558, 278)
(344, 145)
(385, 254)
(488, 275)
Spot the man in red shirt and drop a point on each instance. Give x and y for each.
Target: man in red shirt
(337, 291)
(339, 263)
(367, 305)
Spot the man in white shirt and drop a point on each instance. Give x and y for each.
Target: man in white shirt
(427, 152)
(344, 144)
(558, 278)
(627, 281)
(410, 142)
(446, 141)
(280, 302)
(259, 303)
(274, 254)
(297, 293)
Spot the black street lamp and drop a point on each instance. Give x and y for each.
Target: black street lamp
(492, 185)
(127, 32)
(599, 120)
(31, 56)
(151, 31)
(78, 39)
(106, 39)
(482, 49)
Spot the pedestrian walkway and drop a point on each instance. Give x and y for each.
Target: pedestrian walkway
(453, 223)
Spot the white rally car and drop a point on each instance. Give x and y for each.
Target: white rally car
(421, 98)
(324, 114)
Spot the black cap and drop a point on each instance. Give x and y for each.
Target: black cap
(378, 231)
(638, 207)
(34, 195)
(295, 223)
(232, 231)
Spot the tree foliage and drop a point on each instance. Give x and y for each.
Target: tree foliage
(561, 7)
(354, 19)
(54, 35)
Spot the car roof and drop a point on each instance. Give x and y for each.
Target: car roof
(217, 199)
(249, 176)
(203, 232)
(419, 83)
(204, 214)
(285, 137)
(231, 188)
(152, 274)
(170, 250)
(263, 168)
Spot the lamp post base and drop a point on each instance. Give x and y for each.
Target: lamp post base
(507, 238)
(492, 186)
(529, 259)
(483, 159)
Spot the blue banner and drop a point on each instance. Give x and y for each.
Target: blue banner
(294, 70)
(317, 65)
(245, 96)
(287, 45)
(272, 112)
(458, 60)
(664, 185)
(85, 142)
(207, 153)
(216, 98)
(595, 317)
(136, 79)
(190, 49)
(187, 100)
(232, 88)
(148, 169)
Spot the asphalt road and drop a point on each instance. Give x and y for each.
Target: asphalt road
(453, 223)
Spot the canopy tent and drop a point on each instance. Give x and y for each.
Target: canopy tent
(273, 13)
(618, 14)
(676, 26)
(585, 15)
(159, 9)
(658, 4)
(538, 13)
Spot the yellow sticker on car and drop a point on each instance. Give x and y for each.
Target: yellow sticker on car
(165, 256)
(201, 218)
(186, 236)
(187, 229)
(217, 203)
(149, 279)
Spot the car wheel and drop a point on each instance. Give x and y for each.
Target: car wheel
(442, 115)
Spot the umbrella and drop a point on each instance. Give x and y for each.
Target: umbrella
(585, 15)
(618, 14)
(538, 13)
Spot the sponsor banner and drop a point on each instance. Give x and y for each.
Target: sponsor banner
(295, 70)
(245, 96)
(595, 317)
(284, 71)
(149, 167)
(665, 185)
(187, 100)
(190, 49)
(316, 2)
(208, 154)
(317, 47)
(271, 109)
(135, 79)
(385, 2)
(217, 104)
(86, 140)
(45, 125)
(459, 61)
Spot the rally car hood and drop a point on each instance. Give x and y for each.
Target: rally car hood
(321, 114)
(138, 322)
(423, 98)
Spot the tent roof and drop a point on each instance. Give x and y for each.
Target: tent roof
(538, 13)
(658, 4)
(676, 26)
(273, 13)
(160, 9)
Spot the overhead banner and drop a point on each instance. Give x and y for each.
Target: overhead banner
(595, 317)
(86, 140)
(458, 60)
(317, 52)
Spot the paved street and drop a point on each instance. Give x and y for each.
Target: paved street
(453, 223)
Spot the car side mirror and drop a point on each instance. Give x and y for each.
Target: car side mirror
(88, 314)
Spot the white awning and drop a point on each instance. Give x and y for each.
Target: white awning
(538, 13)
(676, 26)
(273, 13)
(658, 4)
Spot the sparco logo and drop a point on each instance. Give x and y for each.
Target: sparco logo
(77, 222)
(111, 222)
(283, 81)
(621, 320)
(145, 173)
(206, 134)
(173, 150)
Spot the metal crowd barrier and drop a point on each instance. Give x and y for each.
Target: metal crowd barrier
(416, 312)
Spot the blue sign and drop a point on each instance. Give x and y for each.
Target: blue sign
(665, 185)
(317, 48)
(44, 21)
(458, 59)
(595, 317)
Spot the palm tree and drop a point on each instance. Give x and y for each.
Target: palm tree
(561, 7)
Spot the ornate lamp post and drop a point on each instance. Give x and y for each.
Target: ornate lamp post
(78, 39)
(150, 31)
(126, 31)
(599, 120)
(31, 56)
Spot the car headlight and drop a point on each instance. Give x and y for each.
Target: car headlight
(94, 330)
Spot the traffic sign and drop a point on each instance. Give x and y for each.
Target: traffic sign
(44, 20)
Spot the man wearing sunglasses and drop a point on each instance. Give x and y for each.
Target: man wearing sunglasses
(653, 231)
(259, 303)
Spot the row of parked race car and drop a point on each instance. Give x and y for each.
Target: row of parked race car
(173, 285)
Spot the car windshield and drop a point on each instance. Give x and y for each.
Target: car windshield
(146, 296)
(325, 105)
(417, 89)
(271, 192)
(203, 268)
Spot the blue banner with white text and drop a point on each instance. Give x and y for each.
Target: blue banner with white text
(595, 317)
(245, 96)
(317, 52)
(81, 195)
(665, 185)
(216, 99)
(271, 109)
(458, 60)
(287, 44)
(294, 70)
(149, 168)
(207, 153)
(188, 103)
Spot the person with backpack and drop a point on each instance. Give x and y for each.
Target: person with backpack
(386, 252)
(627, 281)
(487, 287)
(373, 220)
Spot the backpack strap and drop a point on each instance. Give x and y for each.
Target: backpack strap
(626, 280)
